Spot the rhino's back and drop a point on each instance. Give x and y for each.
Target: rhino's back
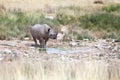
(37, 30)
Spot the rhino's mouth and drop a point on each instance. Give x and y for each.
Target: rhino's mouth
(53, 36)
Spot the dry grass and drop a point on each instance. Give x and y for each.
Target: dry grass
(41, 5)
(59, 70)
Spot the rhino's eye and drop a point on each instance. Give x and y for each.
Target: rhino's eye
(51, 35)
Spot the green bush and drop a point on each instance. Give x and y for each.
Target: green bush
(112, 8)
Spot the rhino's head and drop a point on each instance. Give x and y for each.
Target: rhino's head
(52, 33)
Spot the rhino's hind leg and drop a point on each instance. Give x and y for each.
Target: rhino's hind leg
(35, 40)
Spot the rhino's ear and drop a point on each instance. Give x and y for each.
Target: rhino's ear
(48, 30)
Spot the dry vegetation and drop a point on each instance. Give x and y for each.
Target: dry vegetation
(59, 70)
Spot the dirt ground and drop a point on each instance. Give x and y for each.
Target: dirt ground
(106, 50)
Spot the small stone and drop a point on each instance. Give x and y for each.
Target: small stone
(49, 17)
(81, 44)
(6, 51)
(18, 41)
(99, 46)
(72, 43)
(26, 38)
(85, 39)
(60, 36)
(12, 44)
(1, 58)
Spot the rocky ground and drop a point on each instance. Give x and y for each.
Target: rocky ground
(100, 50)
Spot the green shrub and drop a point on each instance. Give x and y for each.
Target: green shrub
(112, 8)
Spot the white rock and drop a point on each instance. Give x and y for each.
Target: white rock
(65, 29)
(60, 36)
(6, 51)
(49, 17)
(11, 44)
(1, 58)
(85, 39)
(81, 44)
(72, 43)
(26, 38)
(99, 46)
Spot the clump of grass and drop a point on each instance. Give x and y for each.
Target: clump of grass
(101, 21)
(82, 37)
(65, 19)
(68, 15)
(110, 35)
(112, 8)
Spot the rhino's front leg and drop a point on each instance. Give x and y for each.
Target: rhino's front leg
(46, 40)
(42, 43)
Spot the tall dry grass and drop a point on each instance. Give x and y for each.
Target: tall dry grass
(59, 70)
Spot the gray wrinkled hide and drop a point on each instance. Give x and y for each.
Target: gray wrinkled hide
(42, 32)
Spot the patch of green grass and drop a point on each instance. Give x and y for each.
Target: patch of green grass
(65, 19)
(17, 24)
(110, 35)
(84, 36)
(112, 8)
(101, 21)
(68, 15)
